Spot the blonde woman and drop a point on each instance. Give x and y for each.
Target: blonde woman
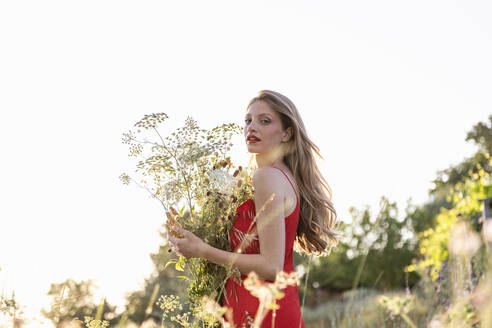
(300, 215)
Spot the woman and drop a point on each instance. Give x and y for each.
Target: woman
(300, 214)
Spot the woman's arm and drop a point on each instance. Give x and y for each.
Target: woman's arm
(192, 246)
(271, 232)
(244, 262)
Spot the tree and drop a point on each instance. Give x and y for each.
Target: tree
(140, 305)
(373, 252)
(71, 299)
(481, 135)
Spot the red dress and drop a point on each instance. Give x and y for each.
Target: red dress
(238, 298)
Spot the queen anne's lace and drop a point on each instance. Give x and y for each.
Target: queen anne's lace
(225, 181)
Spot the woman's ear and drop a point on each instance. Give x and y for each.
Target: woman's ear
(287, 134)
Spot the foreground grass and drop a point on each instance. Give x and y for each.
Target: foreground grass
(359, 308)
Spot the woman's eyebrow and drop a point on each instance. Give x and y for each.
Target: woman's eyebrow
(261, 114)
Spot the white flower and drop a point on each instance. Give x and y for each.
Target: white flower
(224, 181)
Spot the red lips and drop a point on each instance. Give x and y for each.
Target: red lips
(252, 137)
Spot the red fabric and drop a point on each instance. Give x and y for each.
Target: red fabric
(238, 298)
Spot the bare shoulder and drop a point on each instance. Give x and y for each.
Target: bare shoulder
(269, 190)
(269, 180)
(267, 177)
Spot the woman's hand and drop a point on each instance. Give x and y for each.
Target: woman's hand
(188, 246)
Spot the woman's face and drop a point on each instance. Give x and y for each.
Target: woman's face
(263, 128)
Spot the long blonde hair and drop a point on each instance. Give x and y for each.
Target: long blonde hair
(317, 214)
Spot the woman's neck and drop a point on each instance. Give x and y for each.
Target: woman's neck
(262, 161)
(272, 157)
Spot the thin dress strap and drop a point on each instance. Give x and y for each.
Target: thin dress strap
(295, 192)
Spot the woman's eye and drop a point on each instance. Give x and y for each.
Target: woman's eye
(248, 121)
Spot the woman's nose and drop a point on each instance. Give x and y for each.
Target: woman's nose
(251, 126)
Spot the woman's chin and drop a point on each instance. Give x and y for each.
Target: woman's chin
(251, 148)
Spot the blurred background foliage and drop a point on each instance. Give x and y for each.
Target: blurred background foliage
(75, 299)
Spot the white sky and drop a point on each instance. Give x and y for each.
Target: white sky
(387, 89)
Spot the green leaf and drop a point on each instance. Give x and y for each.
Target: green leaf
(170, 262)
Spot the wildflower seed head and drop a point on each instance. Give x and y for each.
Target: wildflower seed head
(125, 178)
(151, 121)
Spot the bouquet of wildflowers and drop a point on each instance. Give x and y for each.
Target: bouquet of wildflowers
(190, 174)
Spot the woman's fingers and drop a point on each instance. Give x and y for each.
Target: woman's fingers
(175, 231)
(182, 231)
(183, 242)
(174, 241)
